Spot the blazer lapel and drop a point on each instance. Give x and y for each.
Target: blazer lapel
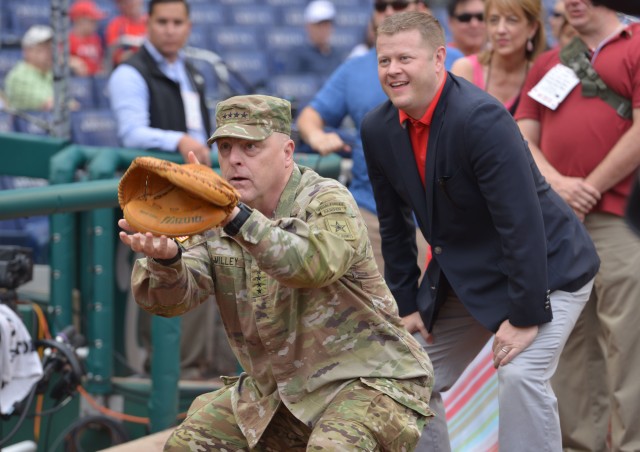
(437, 121)
(407, 171)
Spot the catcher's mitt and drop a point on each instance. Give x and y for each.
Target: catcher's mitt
(166, 198)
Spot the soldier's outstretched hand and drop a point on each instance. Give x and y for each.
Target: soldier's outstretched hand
(152, 246)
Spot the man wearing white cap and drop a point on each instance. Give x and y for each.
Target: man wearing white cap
(317, 56)
(29, 85)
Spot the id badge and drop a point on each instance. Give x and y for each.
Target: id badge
(555, 86)
(192, 111)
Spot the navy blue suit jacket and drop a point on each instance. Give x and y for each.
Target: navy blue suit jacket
(501, 238)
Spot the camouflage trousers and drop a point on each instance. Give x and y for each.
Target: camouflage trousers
(358, 418)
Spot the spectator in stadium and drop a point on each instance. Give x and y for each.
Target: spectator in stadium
(466, 23)
(351, 91)
(318, 56)
(157, 97)
(125, 32)
(509, 256)
(85, 45)
(29, 84)
(588, 148)
(516, 37)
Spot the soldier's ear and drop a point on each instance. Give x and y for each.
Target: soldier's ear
(288, 149)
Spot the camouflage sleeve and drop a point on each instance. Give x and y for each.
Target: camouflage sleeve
(316, 246)
(172, 290)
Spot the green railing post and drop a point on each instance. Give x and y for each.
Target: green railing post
(63, 167)
(165, 372)
(165, 340)
(100, 311)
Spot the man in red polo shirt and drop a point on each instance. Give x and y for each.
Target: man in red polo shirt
(588, 152)
(506, 248)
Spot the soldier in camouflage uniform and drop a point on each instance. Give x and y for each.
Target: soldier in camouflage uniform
(327, 363)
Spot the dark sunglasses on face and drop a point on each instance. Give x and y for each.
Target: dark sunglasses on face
(466, 17)
(395, 5)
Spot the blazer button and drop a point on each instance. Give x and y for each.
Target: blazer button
(437, 250)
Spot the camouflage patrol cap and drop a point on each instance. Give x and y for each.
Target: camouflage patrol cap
(253, 117)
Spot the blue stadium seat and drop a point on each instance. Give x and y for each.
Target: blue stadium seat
(236, 37)
(298, 89)
(346, 38)
(200, 36)
(82, 90)
(108, 7)
(287, 3)
(228, 3)
(348, 3)
(250, 68)
(208, 14)
(279, 42)
(8, 59)
(100, 93)
(22, 15)
(31, 232)
(352, 16)
(252, 15)
(284, 38)
(290, 15)
(25, 125)
(94, 128)
(6, 122)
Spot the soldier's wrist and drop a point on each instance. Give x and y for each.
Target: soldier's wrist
(233, 226)
(172, 260)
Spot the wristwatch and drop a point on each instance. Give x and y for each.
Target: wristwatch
(233, 227)
(174, 259)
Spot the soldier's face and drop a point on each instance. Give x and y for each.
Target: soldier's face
(259, 170)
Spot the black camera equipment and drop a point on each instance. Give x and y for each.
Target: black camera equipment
(61, 358)
(16, 268)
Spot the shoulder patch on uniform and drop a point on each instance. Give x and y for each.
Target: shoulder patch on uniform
(340, 227)
(182, 238)
(329, 207)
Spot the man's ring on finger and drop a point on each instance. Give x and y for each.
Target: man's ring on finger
(504, 350)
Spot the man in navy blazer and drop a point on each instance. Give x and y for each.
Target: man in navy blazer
(509, 256)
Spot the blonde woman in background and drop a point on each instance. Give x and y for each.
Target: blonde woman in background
(516, 36)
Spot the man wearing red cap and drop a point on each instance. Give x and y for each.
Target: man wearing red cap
(85, 45)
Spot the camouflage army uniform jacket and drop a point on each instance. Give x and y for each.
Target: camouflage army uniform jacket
(304, 307)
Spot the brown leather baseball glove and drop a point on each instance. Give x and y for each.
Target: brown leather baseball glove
(166, 198)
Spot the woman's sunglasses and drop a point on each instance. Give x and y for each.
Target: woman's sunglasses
(466, 17)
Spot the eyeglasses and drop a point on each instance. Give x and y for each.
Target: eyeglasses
(466, 17)
(395, 5)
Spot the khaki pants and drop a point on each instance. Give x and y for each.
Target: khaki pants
(598, 379)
